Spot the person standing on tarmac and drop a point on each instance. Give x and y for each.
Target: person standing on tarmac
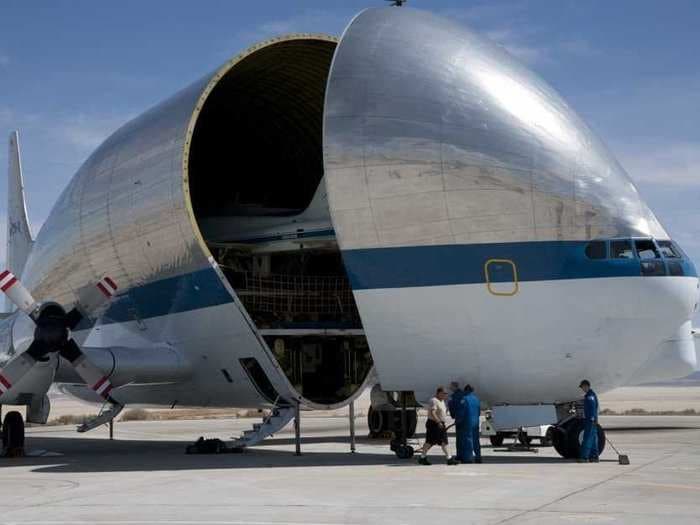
(457, 407)
(589, 446)
(435, 428)
(472, 430)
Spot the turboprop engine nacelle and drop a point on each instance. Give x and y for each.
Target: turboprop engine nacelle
(16, 333)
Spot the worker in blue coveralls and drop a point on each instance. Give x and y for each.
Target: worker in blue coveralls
(458, 411)
(589, 446)
(472, 444)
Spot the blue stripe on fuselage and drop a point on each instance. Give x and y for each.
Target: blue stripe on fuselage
(191, 291)
(441, 265)
(390, 268)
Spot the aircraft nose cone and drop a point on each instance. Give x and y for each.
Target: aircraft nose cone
(435, 135)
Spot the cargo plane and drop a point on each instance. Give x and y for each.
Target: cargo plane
(401, 207)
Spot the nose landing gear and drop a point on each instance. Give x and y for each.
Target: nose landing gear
(567, 437)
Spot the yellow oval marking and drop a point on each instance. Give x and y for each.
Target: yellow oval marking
(516, 286)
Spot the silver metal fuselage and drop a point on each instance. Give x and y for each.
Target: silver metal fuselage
(441, 152)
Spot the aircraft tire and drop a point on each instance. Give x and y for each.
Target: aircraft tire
(574, 437)
(411, 423)
(497, 440)
(559, 441)
(567, 441)
(375, 422)
(380, 422)
(13, 433)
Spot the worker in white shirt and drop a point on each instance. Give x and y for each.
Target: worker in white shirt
(436, 428)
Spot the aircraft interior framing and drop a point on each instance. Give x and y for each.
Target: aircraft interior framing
(299, 297)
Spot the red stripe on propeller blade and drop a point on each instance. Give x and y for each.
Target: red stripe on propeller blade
(99, 383)
(111, 283)
(5, 382)
(9, 284)
(4, 274)
(104, 290)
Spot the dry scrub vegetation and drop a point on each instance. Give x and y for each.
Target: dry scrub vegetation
(644, 412)
(141, 414)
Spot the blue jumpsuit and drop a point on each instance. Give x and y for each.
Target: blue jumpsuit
(473, 446)
(589, 446)
(457, 407)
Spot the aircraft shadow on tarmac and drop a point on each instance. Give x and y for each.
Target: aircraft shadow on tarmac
(102, 455)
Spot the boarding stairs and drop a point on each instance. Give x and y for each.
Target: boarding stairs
(106, 415)
(272, 423)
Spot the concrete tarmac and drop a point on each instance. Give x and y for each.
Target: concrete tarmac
(144, 477)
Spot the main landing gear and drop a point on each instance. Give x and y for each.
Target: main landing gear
(13, 435)
(392, 413)
(398, 419)
(567, 437)
(383, 422)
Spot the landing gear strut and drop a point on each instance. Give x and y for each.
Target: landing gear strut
(399, 444)
(567, 438)
(13, 435)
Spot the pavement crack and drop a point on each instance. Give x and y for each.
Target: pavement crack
(588, 487)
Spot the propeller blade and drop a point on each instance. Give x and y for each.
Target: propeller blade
(17, 293)
(93, 376)
(91, 300)
(19, 365)
(73, 318)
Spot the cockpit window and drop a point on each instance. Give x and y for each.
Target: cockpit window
(646, 249)
(675, 268)
(653, 267)
(596, 250)
(669, 250)
(621, 250)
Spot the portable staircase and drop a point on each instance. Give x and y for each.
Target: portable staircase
(274, 422)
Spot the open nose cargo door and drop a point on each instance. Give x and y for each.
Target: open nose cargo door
(383, 168)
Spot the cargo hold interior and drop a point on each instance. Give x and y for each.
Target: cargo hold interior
(256, 161)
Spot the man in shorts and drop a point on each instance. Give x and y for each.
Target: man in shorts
(436, 428)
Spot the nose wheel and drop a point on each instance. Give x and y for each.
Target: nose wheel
(13, 435)
(567, 438)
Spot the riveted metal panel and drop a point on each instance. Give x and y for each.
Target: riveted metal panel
(127, 214)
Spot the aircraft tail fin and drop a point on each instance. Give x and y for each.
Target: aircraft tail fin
(19, 234)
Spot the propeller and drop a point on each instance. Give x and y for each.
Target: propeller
(53, 333)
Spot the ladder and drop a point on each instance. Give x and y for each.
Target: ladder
(274, 422)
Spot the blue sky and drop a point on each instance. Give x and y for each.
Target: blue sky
(72, 71)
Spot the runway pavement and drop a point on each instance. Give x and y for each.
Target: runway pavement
(144, 477)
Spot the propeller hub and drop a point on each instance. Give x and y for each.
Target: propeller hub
(51, 327)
